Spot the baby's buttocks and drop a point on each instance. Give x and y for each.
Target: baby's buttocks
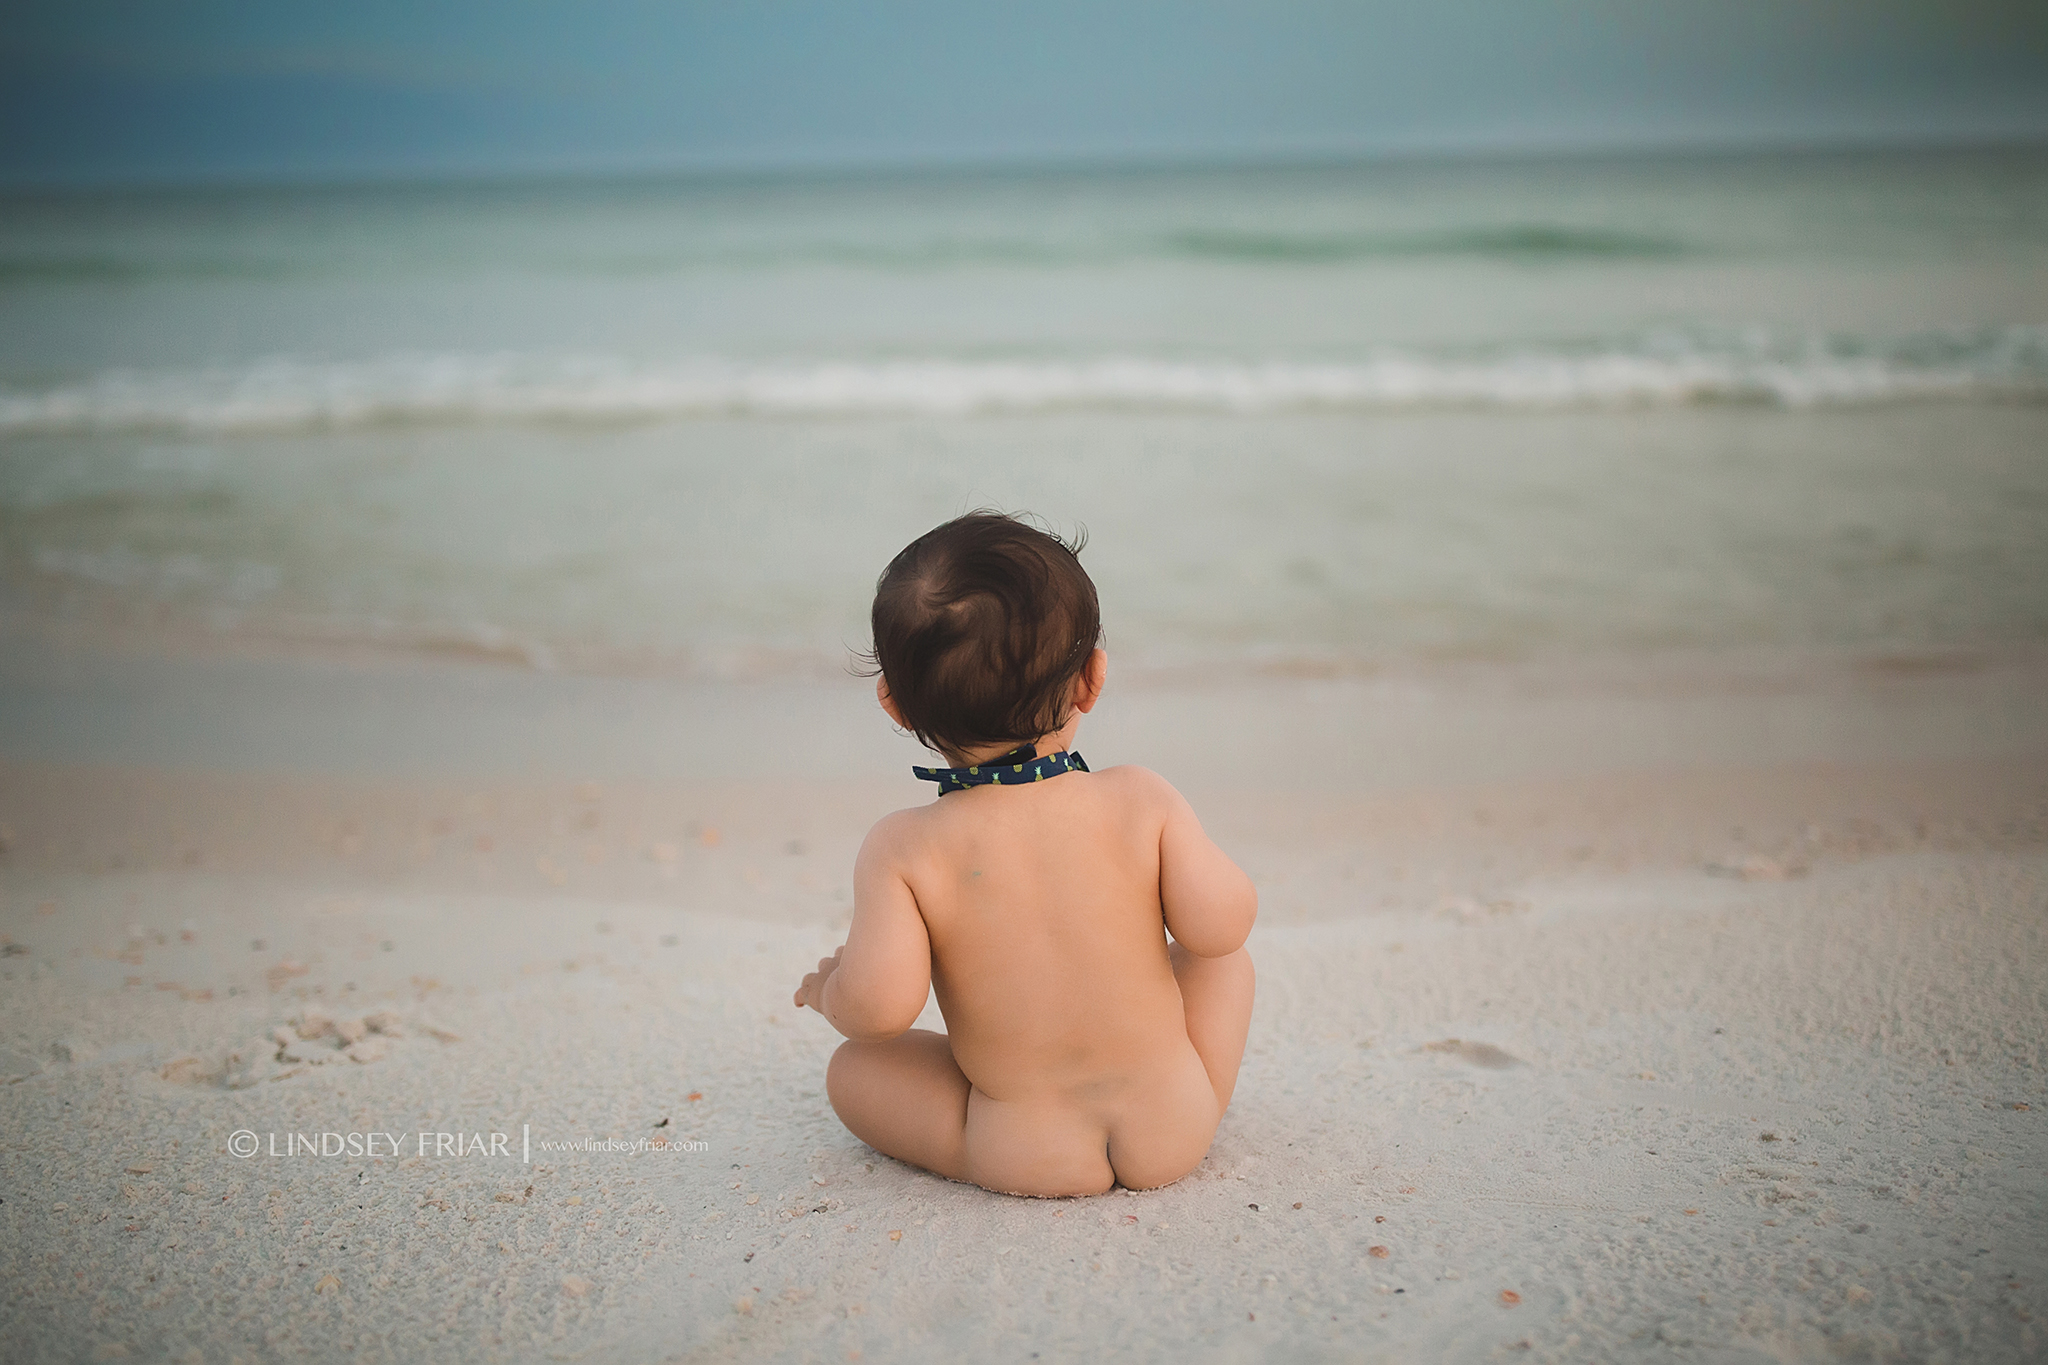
(1035, 1147)
(1145, 1134)
(1165, 1126)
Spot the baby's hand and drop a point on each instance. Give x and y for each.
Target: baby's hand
(812, 992)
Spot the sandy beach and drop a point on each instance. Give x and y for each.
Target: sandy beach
(1566, 491)
(1672, 1009)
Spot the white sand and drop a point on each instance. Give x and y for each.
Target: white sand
(1512, 1030)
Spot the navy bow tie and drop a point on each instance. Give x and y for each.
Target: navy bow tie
(1019, 765)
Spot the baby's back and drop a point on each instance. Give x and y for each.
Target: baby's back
(1049, 954)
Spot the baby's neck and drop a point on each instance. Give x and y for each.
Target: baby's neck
(1056, 742)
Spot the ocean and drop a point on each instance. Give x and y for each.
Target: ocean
(1312, 419)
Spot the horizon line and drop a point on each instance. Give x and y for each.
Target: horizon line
(1022, 164)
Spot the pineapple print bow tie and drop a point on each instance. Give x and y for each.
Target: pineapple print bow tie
(1012, 769)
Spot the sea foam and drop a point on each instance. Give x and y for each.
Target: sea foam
(283, 394)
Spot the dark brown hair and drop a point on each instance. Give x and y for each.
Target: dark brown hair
(980, 628)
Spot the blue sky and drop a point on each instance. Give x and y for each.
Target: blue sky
(150, 89)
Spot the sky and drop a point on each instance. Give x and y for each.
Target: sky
(113, 90)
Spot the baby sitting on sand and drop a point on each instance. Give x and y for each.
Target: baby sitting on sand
(1035, 896)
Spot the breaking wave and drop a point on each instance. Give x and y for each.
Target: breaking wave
(287, 395)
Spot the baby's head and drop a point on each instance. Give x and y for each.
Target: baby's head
(983, 628)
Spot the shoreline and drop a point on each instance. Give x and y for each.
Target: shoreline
(226, 705)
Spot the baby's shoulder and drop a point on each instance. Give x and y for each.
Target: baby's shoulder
(1129, 781)
(1137, 794)
(893, 845)
(897, 828)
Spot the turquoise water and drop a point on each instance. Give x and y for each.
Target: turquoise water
(1315, 416)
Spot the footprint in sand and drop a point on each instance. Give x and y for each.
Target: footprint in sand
(1479, 1054)
(1754, 867)
(315, 1038)
(1472, 910)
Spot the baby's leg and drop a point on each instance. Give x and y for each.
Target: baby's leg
(1216, 996)
(905, 1097)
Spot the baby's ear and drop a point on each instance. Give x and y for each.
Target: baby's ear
(1088, 686)
(888, 702)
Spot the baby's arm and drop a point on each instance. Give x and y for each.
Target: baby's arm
(1209, 902)
(875, 985)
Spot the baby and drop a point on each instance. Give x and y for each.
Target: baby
(1084, 1051)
